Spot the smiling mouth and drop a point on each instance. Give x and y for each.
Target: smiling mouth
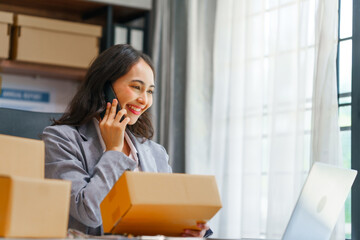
(134, 109)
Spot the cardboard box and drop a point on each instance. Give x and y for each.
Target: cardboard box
(22, 157)
(6, 20)
(34, 207)
(159, 203)
(50, 41)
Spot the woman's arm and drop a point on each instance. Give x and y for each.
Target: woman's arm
(65, 159)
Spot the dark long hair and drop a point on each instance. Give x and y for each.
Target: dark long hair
(89, 100)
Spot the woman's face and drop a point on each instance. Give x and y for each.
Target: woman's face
(135, 90)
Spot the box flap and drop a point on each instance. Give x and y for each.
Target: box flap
(6, 17)
(22, 156)
(115, 205)
(57, 25)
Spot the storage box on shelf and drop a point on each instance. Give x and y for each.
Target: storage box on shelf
(50, 41)
(6, 20)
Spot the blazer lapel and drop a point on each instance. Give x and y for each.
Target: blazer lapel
(146, 159)
(91, 146)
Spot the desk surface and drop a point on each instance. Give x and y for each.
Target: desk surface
(137, 238)
(75, 234)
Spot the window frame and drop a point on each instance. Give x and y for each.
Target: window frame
(355, 121)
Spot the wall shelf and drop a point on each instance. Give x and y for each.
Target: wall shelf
(84, 11)
(42, 70)
(78, 11)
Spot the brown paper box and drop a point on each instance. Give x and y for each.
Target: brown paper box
(33, 207)
(22, 157)
(50, 41)
(158, 203)
(6, 20)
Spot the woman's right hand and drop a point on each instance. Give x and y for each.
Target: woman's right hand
(112, 130)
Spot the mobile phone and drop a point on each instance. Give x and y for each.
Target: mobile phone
(110, 95)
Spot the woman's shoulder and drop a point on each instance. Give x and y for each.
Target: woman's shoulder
(77, 133)
(146, 143)
(154, 146)
(68, 132)
(159, 154)
(59, 129)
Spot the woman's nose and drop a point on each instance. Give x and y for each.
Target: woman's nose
(142, 99)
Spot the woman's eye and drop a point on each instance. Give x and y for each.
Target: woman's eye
(136, 87)
(151, 91)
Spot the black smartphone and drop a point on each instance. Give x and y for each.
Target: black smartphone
(109, 97)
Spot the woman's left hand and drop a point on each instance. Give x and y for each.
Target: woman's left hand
(196, 233)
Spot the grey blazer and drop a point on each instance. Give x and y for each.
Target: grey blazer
(75, 154)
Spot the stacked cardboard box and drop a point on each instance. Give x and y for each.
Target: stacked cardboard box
(159, 203)
(6, 20)
(56, 42)
(30, 206)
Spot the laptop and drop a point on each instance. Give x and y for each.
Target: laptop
(320, 203)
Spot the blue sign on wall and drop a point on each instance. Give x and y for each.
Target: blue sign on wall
(24, 95)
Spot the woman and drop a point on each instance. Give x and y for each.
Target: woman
(92, 152)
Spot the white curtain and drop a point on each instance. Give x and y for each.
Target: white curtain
(325, 134)
(251, 71)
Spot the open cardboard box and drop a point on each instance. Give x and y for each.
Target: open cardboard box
(143, 203)
(22, 157)
(37, 208)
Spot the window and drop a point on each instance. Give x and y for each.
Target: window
(355, 120)
(347, 97)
